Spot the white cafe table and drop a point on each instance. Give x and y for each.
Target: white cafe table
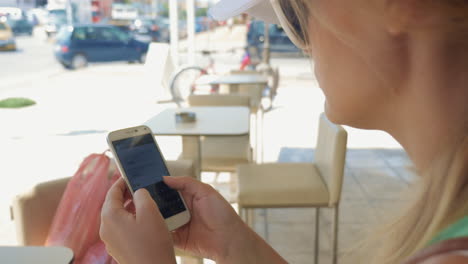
(33, 255)
(234, 80)
(210, 121)
(252, 85)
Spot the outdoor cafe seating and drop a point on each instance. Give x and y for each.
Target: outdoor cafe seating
(34, 210)
(216, 142)
(223, 153)
(299, 185)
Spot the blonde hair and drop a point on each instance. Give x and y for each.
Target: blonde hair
(440, 199)
(440, 195)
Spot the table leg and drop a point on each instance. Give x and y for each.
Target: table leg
(234, 88)
(191, 149)
(199, 160)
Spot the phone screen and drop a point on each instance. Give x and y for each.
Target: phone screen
(145, 168)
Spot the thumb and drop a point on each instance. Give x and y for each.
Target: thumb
(187, 185)
(145, 206)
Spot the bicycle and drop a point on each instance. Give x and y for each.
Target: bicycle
(184, 81)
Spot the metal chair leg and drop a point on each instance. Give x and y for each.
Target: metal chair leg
(241, 212)
(317, 235)
(254, 132)
(249, 215)
(335, 235)
(265, 221)
(260, 134)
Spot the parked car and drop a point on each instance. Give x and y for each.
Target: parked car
(146, 28)
(279, 41)
(7, 40)
(56, 19)
(21, 26)
(164, 32)
(151, 29)
(79, 44)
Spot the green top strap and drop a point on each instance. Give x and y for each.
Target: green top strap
(456, 230)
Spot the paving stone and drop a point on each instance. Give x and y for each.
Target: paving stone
(379, 183)
(395, 157)
(364, 158)
(407, 173)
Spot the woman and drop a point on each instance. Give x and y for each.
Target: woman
(395, 65)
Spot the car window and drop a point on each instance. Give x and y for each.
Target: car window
(120, 35)
(147, 22)
(107, 34)
(80, 34)
(88, 33)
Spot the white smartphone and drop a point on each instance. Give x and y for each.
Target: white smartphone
(142, 166)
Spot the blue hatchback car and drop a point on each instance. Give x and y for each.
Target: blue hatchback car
(79, 44)
(279, 40)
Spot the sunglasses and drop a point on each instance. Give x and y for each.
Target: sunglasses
(290, 22)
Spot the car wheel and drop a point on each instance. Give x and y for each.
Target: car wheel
(142, 58)
(79, 61)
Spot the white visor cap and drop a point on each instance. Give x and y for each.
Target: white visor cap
(260, 9)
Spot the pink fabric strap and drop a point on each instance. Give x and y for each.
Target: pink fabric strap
(444, 247)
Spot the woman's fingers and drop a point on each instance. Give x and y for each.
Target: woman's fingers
(145, 207)
(187, 185)
(115, 196)
(177, 238)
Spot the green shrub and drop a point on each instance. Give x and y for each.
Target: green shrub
(16, 102)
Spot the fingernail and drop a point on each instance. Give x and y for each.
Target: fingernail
(141, 190)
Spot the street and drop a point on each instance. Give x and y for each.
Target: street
(33, 57)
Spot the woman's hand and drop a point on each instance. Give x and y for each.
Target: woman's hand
(213, 222)
(215, 231)
(134, 237)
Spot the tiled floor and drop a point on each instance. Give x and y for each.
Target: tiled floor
(374, 181)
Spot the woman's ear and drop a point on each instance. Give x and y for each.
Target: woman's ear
(399, 14)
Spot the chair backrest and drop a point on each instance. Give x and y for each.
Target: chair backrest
(255, 91)
(330, 156)
(34, 211)
(219, 100)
